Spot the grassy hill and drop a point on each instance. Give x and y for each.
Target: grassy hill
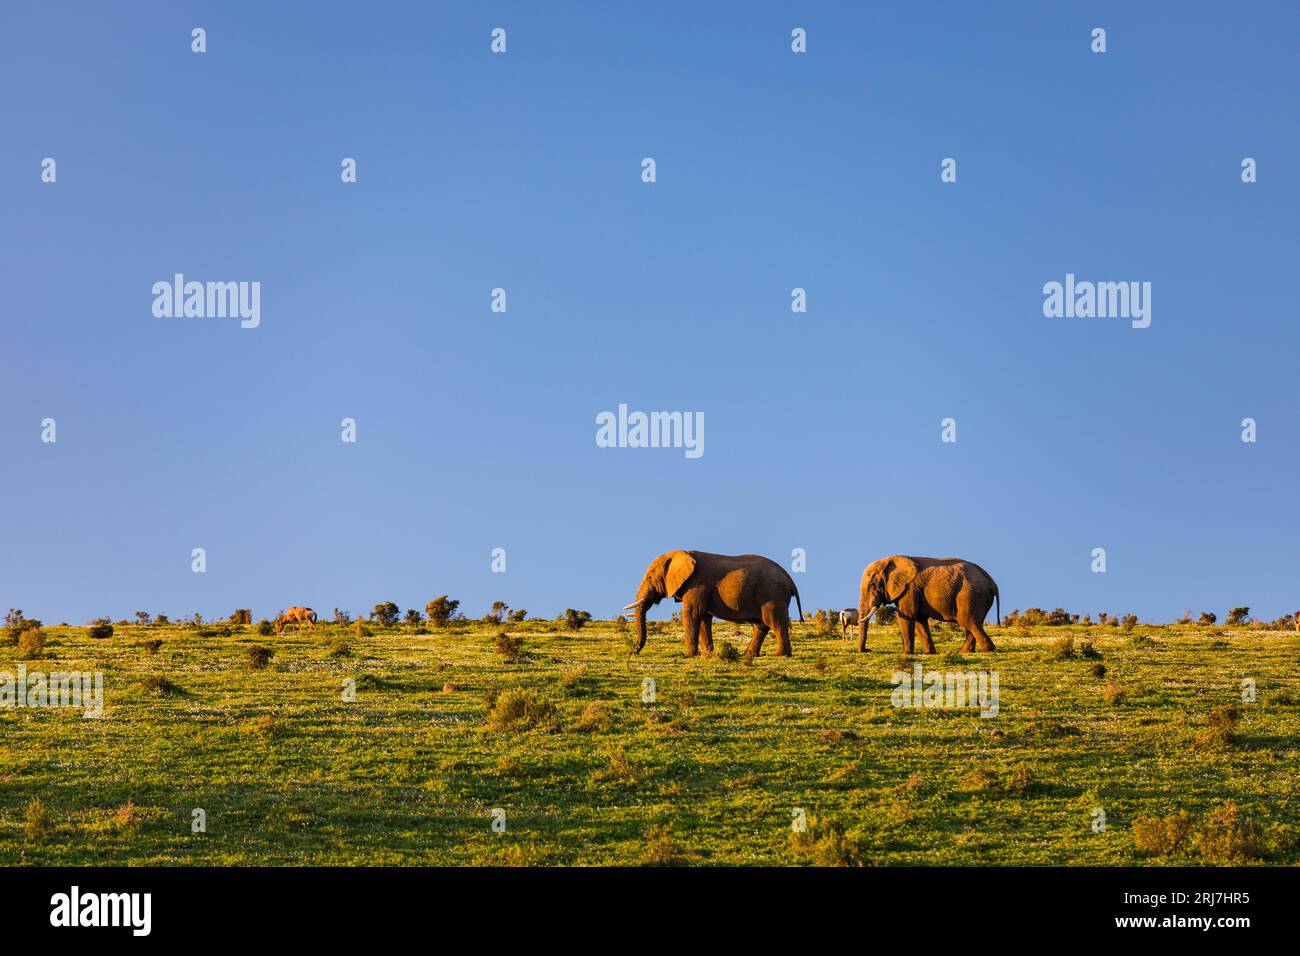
(445, 728)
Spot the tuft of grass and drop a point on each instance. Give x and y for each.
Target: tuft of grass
(1097, 670)
(1088, 652)
(513, 710)
(341, 649)
(1114, 693)
(1063, 649)
(152, 647)
(265, 726)
(1228, 836)
(1218, 732)
(660, 849)
(38, 822)
(597, 718)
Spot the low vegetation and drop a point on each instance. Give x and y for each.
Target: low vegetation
(598, 756)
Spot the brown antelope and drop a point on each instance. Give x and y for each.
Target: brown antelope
(298, 616)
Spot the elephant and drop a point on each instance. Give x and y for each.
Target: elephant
(746, 588)
(296, 615)
(848, 618)
(943, 589)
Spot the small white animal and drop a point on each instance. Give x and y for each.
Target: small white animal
(848, 618)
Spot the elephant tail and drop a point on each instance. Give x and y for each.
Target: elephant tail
(798, 603)
(998, 598)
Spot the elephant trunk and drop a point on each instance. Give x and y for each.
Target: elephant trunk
(864, 618)
(640, 627)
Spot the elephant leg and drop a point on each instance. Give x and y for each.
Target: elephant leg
(756, 643)
(926, 641)
(981, 637)
(691, 630)
(908, 627)
(781, 624)
(706, 634)
(968, 645)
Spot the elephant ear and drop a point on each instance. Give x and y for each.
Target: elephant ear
(680, 567)
(899, 575)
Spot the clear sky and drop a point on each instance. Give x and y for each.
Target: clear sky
(775, 170)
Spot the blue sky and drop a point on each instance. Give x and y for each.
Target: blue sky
(775, 170)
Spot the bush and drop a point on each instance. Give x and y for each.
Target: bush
(37, 820)
(161, 619)
(1114, 693)
(1097, 670)
(518, 616)
(825, 622)
(596, 718)
(1129, 621)
(100, 629)
(157, 684)
(574, 620)
(441, 611)
(1088, 652)
(265, 628)
(152, 647)
(521, 710)
(1218, 733)
(497, 614)
(826, 842)
(342, 617)
(1228, 837)
(728, 652)
(509, 646)
(1161, 836)
(887, 614)
(1238, 615)
(242, 615)
(1209, 617)
(259, 657)
(660, 850)
(385, 614)
(31, 642)
(1063, 649)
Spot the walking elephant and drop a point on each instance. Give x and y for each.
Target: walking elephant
(925, 589)
(746, 588)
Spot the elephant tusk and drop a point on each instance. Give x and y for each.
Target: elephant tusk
(634, 604)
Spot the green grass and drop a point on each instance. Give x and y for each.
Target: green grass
(290, 773)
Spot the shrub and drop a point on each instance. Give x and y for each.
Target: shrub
(413, 617)
(265, 628)
(142, 618)
(1209, 617)
(596, 718)
(385, 614)
(518, 616)
(1088, 652)
(1238, 615)
(100, 629)
(31, 642)
(826, 842)
(242, 615)
(1160, 836)
(1129, 621)
(825, 622)
(728, 652)
(152, 647)
(1063, 649)
(342, 617)
(1228, 837)
(340, 649)
(660, 850)
(1114, 693)
(521, 710)
(1097, 670)
(259, 657)
(497, 614)
(509, 646)
(441, 610)
(359, 628)
(161, 619)
(1218, 733)
(886, 615)
(574, 620)
(157, 684)
(37, 820)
